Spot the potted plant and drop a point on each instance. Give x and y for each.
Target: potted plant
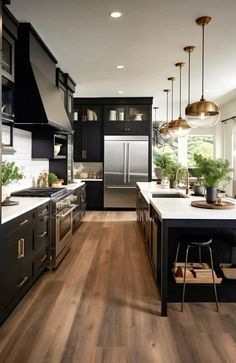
(9, 173)
(215, 173)
(52, 180)
(161, 161)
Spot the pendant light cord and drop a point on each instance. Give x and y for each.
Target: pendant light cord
(167, 113)
(172, 100)
(203, 61)
(180, 87)
(189, 76)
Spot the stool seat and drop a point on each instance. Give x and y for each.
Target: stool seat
(199, 244)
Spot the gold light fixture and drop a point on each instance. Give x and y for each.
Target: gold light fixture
(164, 129)
(202, 113)
(179, 127)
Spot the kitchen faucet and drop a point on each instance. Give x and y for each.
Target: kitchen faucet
(184, 168)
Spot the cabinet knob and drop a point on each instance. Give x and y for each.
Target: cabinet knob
(126, 129)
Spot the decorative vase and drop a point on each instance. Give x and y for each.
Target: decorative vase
(211, 194)
(158, 172)
(165, 183)
(57, 148)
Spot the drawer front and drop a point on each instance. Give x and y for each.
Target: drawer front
(13, 281)
(126, 128)
(42, 229)
(15, 226)
(16, 250)
(43, 211)
(41, 259)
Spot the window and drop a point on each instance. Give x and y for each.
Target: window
(186, 148)
(197, 144)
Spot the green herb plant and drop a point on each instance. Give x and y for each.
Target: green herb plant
(52, 178)
(10, 172)
(215, 173)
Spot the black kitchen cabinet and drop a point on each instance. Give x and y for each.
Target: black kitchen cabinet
(127, 116)
(88, 127)
(88, 143)
(66, 86)
(94, 195)
(24, 254)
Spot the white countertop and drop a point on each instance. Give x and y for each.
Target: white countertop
(180, 208)
(25, 204)
(28, 203)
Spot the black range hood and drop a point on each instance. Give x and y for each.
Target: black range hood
(38, 100)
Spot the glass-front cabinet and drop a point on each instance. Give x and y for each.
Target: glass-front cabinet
(127, 113)
(88, 113)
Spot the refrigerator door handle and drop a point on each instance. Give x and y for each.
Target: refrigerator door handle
(128, 162)
(124, 163)
(120, 187)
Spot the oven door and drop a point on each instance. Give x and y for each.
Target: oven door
(64, 222)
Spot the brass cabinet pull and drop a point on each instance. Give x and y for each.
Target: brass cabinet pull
(20, 248)
(25, 221)
(43, 259)
(42, 235)
(45, 210)
(22, 282)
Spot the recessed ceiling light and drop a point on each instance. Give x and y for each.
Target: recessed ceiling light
(115, 14)
(120, 67)
(120, 92)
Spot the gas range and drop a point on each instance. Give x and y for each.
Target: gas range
(40, 192)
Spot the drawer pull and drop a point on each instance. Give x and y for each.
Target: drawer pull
(43, 259)
(22, 282)
(44, 211)
(25, 221)
(42, 235)
(20, 248)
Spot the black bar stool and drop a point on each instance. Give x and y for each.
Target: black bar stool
(194, 245)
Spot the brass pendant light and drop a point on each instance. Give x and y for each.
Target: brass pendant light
(164, 129)
(202, 113)
(179, 127)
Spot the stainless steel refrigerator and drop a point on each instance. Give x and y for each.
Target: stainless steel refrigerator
(125, 163)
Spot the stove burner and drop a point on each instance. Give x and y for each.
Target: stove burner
(40, 192)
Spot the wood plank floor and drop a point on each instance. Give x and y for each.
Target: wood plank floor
(102, 306)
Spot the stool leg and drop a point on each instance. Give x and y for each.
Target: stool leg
(213, 278)
(200, 254)
(185, 268)
(176, 256)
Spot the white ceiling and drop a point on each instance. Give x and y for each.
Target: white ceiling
(148, 39)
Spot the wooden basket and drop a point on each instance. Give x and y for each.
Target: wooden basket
(202, 272)
(228, 271)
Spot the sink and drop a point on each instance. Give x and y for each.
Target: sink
(168, 195)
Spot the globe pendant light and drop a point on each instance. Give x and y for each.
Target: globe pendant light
(202, 113)
(164, 129)
(179, 127)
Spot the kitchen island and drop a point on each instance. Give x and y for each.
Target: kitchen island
(175, 219)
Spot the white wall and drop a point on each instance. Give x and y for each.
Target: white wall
(22, 141)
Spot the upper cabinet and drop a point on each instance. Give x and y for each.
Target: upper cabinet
(88, 136)
(127, 116)
(66, 87)
(9, 38)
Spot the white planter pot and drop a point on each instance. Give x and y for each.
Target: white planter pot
(6, 191)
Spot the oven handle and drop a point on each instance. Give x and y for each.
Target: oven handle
(68, 212)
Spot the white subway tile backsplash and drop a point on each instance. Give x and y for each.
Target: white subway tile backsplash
(22, 143)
